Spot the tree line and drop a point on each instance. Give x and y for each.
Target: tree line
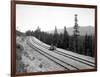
(65, 41)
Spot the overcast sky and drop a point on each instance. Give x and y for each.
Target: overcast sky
(28, 17)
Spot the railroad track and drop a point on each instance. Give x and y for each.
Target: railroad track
(70, 56)
(63, 64)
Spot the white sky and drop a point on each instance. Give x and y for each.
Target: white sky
(28, 17)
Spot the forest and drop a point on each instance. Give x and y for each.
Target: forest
(76, 43)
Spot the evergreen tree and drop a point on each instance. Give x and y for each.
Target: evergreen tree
(65, 39)
(71, 43)
(75, 36)
(28, 33)
(37, 33)
(88, 45)
(85, 44)
(60, 41)
(55, 37)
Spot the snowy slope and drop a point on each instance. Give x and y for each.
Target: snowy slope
(37, 58)
(77, 64)
(66, 51)
(34, 61)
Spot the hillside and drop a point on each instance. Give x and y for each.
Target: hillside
(83, 30)
(19, 33)
(32, 55)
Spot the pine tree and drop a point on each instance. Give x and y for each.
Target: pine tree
(60, 41)
(66, 39)
(71, 43)
(37, 32)
(55, 37)
(85, 44)
(88, 45)
(75, 36)
(28, 33)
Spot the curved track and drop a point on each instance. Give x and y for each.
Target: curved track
(65, 65)
(70, 56)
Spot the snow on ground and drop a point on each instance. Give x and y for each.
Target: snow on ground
(78, 55)
(34, 61)
(66, 51)
(65, 59)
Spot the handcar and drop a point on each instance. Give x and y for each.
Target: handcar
(52, 47)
